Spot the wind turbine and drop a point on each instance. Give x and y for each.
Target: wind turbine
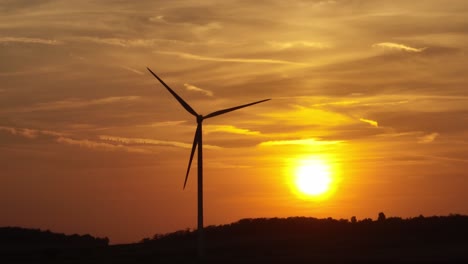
(197, 141)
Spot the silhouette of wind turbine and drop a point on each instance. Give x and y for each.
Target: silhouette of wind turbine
(197, 141)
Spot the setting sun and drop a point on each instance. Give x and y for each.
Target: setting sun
(312, 178)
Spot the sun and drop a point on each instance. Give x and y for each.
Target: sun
(312, 178)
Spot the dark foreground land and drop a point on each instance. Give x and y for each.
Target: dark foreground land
(287, 240)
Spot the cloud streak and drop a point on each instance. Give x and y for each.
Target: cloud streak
(145, 141)
(132, 70)
(119, 42)
(305, 142)
(98, 145)
(370, 122)
(295, 44)
(64, 138)
(29, 133)
(189, 56)
(190, 87)
(167, 123)
(428, 138)
(30, 40)
(396, 46)
(229, 129)
(79, 103)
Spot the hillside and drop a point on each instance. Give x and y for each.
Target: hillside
(288, 240)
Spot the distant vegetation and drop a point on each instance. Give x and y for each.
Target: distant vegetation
(437, 229)
(435, 239)
(303, 239)
(16, 237)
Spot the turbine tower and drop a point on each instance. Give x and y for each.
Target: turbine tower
(197, 141)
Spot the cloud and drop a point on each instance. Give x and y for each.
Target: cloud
(120, 42)
(24, 132)
(240, 60)
(325, 2)
(229, 129)
(79, 103)
(194, 88)
(396, 46)
(428, 138)
(293, 44)
(145, 141)
(98, 145)
(167, 123)
(338, 103)
(132, 70)
(40, 70)
(221, 165)
(307, 141)
(400, 134)
(29, 40)
(199, 29)
(64, 139)
(370, 122)
(361, 102)
(29, 133)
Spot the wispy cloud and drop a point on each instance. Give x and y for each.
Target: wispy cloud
(120, 42)
(64, 138)
(294, 44)
(98, 145)
(167, 123)
(24, 132)
(428, 138)
(240, 60)
(220, 165)
(361, 102)
(325, 2)
(199, 29)
(229, 129)
(79, 103)
(370, 122)
(40, 70)
(307, 141)
(30, 40)
(338, 103)
(194, 88)
(396, 46)
(132, 70)
(29, 133)
(145, 141)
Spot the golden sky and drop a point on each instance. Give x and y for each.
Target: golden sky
(90, 142)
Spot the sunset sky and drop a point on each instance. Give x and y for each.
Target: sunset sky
(91, 142)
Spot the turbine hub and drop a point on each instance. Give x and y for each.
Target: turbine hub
(199, 118)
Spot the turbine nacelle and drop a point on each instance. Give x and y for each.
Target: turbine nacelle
(200, 118)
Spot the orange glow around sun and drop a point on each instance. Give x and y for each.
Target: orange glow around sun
(312, 178)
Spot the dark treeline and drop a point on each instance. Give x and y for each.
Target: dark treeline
(435, 239)
(16, 237)
(436, 229)
(303, 239)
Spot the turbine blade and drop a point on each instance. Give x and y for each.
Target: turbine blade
(194, 147)
(220, 112)
(181, 101)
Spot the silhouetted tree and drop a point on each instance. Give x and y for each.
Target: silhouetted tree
(381, 217)
(353, 219)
